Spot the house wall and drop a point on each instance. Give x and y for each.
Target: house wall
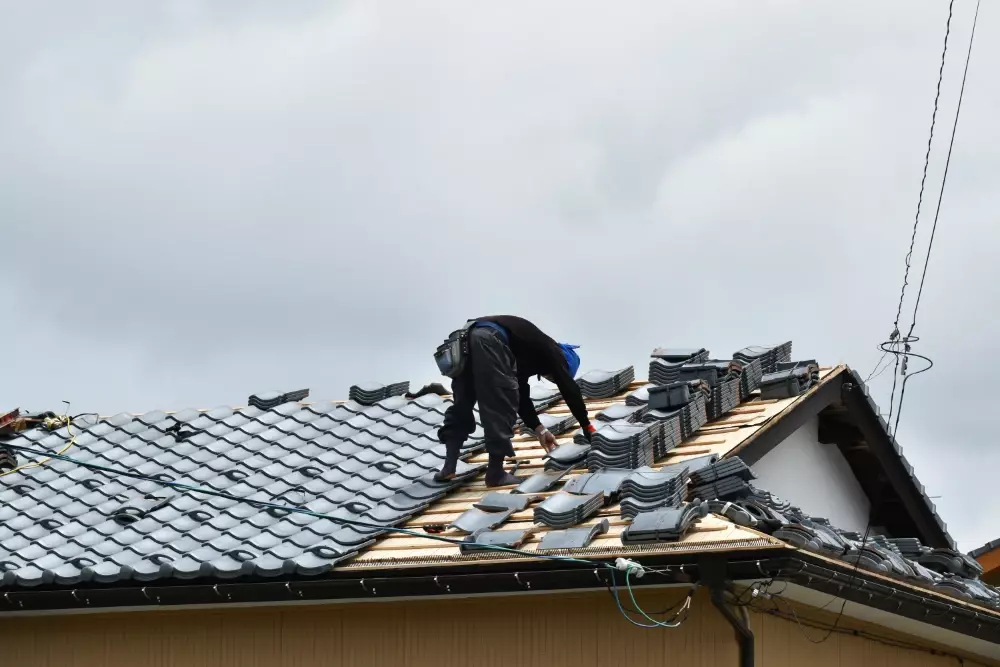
(574, 629)
(815, 477)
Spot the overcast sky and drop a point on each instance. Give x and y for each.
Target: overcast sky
(202, 200)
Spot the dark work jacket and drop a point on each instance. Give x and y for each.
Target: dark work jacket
(537, 354)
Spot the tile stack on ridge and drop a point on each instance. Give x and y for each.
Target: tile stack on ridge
(723, 380)
(789, 379)
(664, 367)
(269, 400)
(605, 384)
(769, 355)
(671, 432)
(608, 481)
(640, 396)
(621, 445)
(663, 525)
(371, 393)
(648, 489)
(751, 373)
(686, 400)
(564, 510)
(723, 480)
(621, 412)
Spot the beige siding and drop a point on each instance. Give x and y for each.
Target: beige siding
(577, 630)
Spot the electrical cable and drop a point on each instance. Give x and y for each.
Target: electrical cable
(676, 621)
(52, 424)
(892, 345)
(937, 214)
(894, 336)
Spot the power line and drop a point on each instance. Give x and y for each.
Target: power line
(937, 214)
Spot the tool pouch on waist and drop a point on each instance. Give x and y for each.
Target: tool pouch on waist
(453, 354)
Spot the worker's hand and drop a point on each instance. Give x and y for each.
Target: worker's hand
(545, 439)
(588, 431)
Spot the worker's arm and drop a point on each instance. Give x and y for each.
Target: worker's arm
(570, 391)
(526, 408)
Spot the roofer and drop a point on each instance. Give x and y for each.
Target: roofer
(490, 361)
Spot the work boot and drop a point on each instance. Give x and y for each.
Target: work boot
(497, 476)
(447, 472)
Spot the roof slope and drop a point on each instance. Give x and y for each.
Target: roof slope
(64, 524)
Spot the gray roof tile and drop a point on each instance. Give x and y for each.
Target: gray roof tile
(360, 463)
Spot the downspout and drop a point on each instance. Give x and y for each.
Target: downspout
(743, 633)
(712, 574)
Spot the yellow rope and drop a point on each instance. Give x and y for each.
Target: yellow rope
(51, 423)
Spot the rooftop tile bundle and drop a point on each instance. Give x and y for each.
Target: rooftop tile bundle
(725, 397)
(640, 396)
(724, 480)
(769, 355)
(648, 489)
(269, 400)
(670, 431)
(607, 481)
(621, 412)
(605, 384)
(573, 538)
(691, 417)
(665, 365)
(564, 510)
(789, 380)
(663, 525)
(371, 393)
(621, 445)
(751, 373)
(567, 456)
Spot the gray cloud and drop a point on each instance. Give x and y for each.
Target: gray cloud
(202, 200)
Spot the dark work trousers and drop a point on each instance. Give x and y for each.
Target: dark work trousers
(490, 377)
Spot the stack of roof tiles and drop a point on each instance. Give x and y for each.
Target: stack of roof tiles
(789, 379)
(671, 433)
(605, 384)
(622, 445)
(685, 400)
(269, 400)
(769, 355)
(723, 480)
(608, 481)
(663, 525)
(665, 365)
(564, 509)
(640, 396)
(724, 379)
(371, 393)
(648, 489)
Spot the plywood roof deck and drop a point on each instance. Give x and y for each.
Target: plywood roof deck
(719, 437)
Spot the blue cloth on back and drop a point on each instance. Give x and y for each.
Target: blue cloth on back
(496, 327)
(572, 358)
